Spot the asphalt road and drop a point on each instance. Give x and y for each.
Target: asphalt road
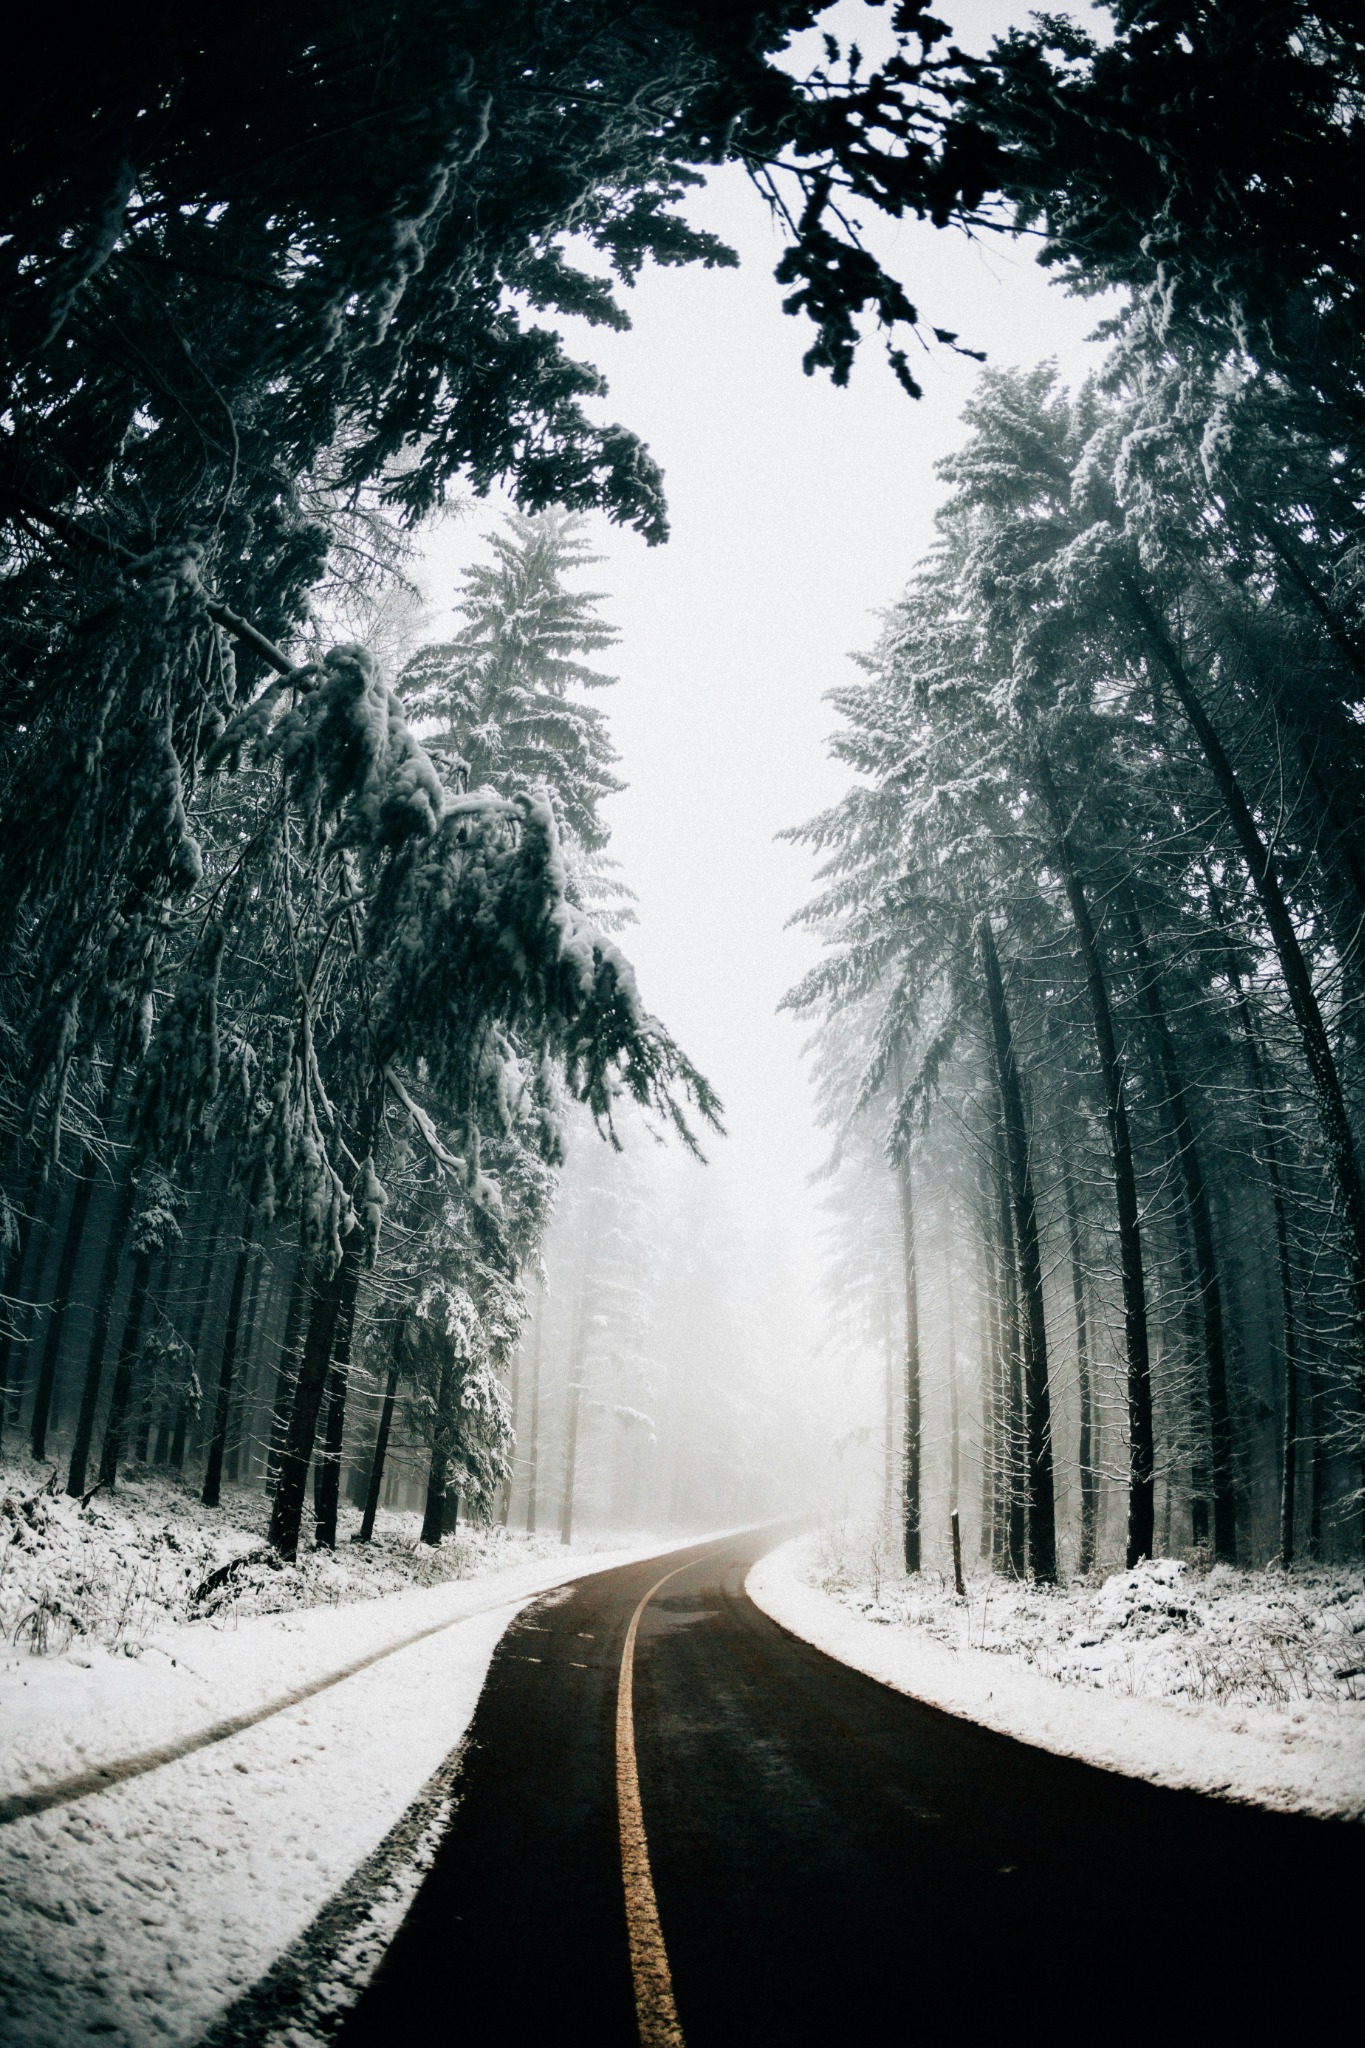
(834, 1863)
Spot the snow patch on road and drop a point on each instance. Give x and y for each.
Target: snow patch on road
(142, 1912)
(1087, 1672)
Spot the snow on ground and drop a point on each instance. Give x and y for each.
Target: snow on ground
(113, 1571)
(141, 1912)
(1246, 1684)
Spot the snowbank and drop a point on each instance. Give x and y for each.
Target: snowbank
(139, 1913)
(129, 1562)
(1207, 1684)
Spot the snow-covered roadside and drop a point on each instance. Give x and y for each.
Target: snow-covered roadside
(1303, 1756)
(139, 1913)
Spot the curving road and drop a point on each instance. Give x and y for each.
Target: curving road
(832, 1863)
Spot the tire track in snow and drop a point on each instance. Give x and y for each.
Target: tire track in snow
(81, 1784)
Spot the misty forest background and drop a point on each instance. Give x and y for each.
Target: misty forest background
(329, 1105)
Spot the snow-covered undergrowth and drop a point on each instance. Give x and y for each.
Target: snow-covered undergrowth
(114, 1572)
(1248, 1638)
(1246, 1684)
(287, 1850)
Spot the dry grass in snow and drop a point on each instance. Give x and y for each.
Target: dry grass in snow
(111, 1574)
(1257, 1639)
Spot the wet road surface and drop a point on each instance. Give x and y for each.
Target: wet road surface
(834, 1863)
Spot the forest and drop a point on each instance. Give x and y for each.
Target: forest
(309, 957)
(1093, 912)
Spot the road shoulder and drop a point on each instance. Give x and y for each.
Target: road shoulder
(145, 1911)
(1201, 1749)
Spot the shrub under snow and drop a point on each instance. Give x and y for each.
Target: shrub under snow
(1164, 1630)
(124, 1566)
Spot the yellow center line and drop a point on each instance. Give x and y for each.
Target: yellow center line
(656, 2014)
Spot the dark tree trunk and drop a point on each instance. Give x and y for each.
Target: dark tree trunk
(14, 1275)
(912, 1446)
(94, 1363)
(161, 1450)
(1041, 1505)
(328, 1294)
(1011, 1518)
(1141, 1448)
(77, 1218)
(1317, 1487)
(1289, 1320)
(1333, 1117)
(242, 1407)
(72, 1240)
(381, 1452)
(1210, 1293)
(1085, 1561)
(185, 1406)
(505, 1490)
(327, 1489)
(1190, 1327)
(438, 1477)
(287, 1372)
(227, 1365)
(148, 1391)
(1270, 1145)
(129, 1346)
(1289, 1440)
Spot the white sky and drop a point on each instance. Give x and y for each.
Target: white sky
(797, 513)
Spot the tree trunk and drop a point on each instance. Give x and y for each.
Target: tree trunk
(72, 1240)
(1333, 1118)
(329, 1292)
(889, 1427)
(1085, 1561)
(242, 1406)
(1210, 1294)
(147, 1394)
(94, 1363)
(438, 1477)
(533, 1461)
(381, 1452)
(1265, 1117)
(571, 1463)
(227, 1366)
(954, 1415)
(1141, 1448)
(578, 1352)
(327, 1490)
(989, 1320)
(286, 1376)
(1041, 1503)
(186, 1406)
(1317, 1490)
(912, 1447)
(129, 1346)
(14, 1275)
(1190, 1328)
(1289, 1440)
(86, 1174)
(1010, 1408)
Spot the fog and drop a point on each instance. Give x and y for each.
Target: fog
(797, 511)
